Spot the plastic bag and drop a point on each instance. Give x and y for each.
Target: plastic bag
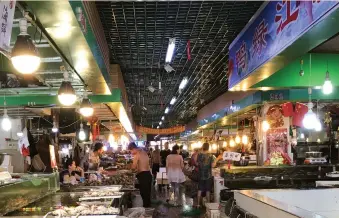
(135, 212)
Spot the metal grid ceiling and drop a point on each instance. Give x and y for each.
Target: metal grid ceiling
(138, 34)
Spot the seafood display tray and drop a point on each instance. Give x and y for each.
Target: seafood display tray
(87, 216)
(99, 198)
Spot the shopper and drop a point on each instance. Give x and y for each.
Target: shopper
(144, 176)
(183, 152)
(205, 163)
(194, 159)
(155, 162)
(164, 153)
(174, 167)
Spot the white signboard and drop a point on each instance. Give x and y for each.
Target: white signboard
(7, 9)
(234, 156)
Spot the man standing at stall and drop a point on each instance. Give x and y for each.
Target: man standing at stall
(144, 176)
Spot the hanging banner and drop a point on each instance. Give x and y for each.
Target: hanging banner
(273, 29)
(173, 130)
(7, 9)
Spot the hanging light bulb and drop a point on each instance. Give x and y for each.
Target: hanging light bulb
(232, 143)
(54, 128)
(318, 126)
(237, 139)
(302, 136)
(25, 56)
(66, 93)
(224, 144)
(86, 108)
(310, 119)
(82, 134)
(244, 139)
(327, 87)
(265, 126)
(6, 123)
(214, 147)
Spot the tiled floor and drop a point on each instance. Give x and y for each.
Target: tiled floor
(186, 203)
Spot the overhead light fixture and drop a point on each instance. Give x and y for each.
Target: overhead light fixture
(54, 128)
(158, 127)
(214, 147)
(6, 123)
(310, 119)
(232, 143)
(173, 100)
(166, 110)
(160, 123)
(86, 108)
(66, 93)
(82, 134)
(183, 83)
(170, 50)
(237, 139)
(327, 87)
(163, 118)
(244, 139)
(151, 88)
(224, 144)
(168, 68)
(265, 126)
(25, 57)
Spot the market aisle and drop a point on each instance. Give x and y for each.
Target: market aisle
(186, 203)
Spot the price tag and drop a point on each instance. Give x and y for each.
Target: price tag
(232, 156)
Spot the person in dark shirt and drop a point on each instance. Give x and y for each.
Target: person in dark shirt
(163, 154)
(183, 152)
(205, 163)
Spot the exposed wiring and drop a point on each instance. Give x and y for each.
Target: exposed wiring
(61, 127)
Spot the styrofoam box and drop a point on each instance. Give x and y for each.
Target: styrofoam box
(212, 210)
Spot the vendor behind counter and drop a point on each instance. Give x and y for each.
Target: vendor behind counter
(92, 160)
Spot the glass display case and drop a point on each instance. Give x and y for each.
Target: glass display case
(26, 189)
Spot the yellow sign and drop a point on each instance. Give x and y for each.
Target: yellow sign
(173, 130)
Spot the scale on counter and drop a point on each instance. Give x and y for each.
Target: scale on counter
(314, 157)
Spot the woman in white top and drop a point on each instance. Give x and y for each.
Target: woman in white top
(174, 166)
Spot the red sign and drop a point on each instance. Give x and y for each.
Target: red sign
(291, 15)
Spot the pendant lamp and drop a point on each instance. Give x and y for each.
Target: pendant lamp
(6, 123)
(82, 134)
(25, 57)
(310, 119)
(327, 87)
(86, 108)
(66, 93)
